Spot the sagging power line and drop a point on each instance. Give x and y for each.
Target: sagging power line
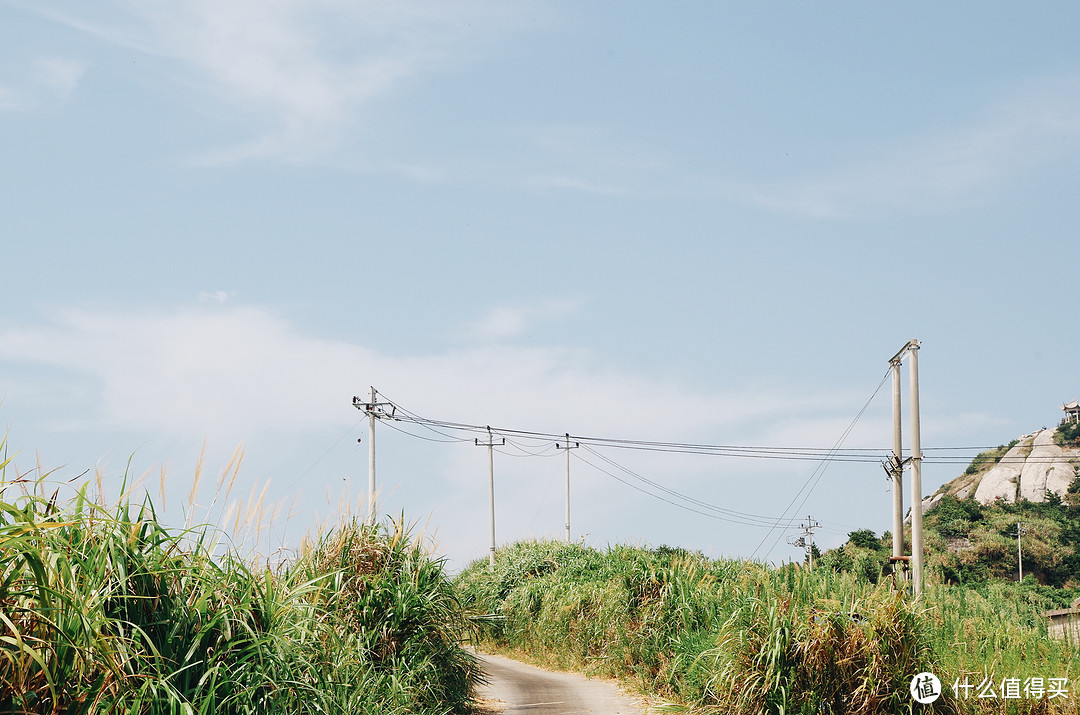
(444, 433)
(874, 455)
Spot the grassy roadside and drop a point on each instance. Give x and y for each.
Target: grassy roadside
(741, 637)
(105, 610)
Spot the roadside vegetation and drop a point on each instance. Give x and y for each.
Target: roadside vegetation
(105, 610)
(722, 636)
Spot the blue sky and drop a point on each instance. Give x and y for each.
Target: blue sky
(694, 222)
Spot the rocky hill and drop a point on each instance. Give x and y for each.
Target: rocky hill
(1029, 468)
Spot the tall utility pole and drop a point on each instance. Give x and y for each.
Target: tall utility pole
(896, 468)
(916, 473)
(375, 410)
(567, 446)
(910, 349)
(808, 531)
(1020, 530)
(490, 444)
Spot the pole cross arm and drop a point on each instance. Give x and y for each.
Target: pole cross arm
(896, 359)
(376, 409)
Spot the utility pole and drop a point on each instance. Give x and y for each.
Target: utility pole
(1020, 530)
(567, 446)
(807, 539)
(916, 473)
(896, 468)
(490, 444)
(375, 410)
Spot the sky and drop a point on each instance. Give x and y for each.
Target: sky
(693, 222)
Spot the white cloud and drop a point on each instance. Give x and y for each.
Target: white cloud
(938, 169)
(503, 322)
(588, 160)
(43, 81)
(61, 75)
(217, 296)
(307, 66)
(242, 370)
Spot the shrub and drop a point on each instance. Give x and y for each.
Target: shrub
(105, 610)
(1068, 435)
(989, 458)
(729, 636)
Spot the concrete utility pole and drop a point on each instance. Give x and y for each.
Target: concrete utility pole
(567, 446)
(911, 349)
(896, 469)
(375, 410)
(916, 473)
(490, 444)
(808, 542)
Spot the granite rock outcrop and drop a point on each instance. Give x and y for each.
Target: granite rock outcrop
(1032, 468)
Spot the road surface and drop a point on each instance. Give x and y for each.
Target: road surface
(519, 689)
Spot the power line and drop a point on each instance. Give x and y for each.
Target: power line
(815, 476)
(518, 439)
(748, 519)
(868, 455)
(713, 511)
(655, 496)
(547, 451)
(450, 440)
(323, 455)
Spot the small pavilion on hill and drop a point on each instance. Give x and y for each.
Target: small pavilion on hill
(1072, 412)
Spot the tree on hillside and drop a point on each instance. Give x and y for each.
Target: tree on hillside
(864, 539)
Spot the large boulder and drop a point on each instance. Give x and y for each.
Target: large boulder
(1032, 468)
(1002, 481)
(1048, 468)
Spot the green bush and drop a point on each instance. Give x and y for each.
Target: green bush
(105, 610)
(989, 458)
(729, 636)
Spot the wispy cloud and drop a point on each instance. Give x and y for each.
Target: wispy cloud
(938, 169)
(44, 80)
(511, 321)
(243, 369)
(586, 159)
(217, 296)
(310, 67)
(59, 74)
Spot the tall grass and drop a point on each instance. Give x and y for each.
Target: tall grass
(105, 610)
(742, 637)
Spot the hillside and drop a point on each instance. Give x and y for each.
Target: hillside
(1030, 486)
(1027, 469)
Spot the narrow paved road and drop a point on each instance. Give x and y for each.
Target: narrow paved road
(521, 689)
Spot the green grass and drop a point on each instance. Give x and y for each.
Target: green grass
(105, 610)
(989, 458)
(742, 637)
